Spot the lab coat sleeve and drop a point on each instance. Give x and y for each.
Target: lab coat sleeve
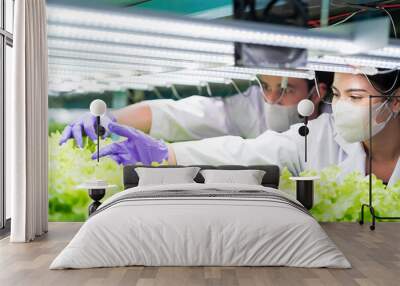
(281, 149)
(191, 118)
(245, 113)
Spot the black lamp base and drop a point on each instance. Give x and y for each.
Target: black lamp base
(305, 193)
(96, 195)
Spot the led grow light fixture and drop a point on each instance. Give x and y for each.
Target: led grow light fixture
(137, 39)
(226, 30)
(307, 74)
(214, 73)
(368, 61)
(99, 57)
(155, 80)
(340, 68)
(85, 64)
(148, 52)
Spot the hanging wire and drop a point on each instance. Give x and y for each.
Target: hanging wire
(157, 92)
(384, 92)
(327, 99)
(379, 72)
(317, 87)
(346, 19)
(262, 88)
(366, 9)
(208, 88)
(250, 82)
(260, 85)
(175, 92)
(391, 20)
(360, 71)
(283, 91)
(236, 87)
(388, 91)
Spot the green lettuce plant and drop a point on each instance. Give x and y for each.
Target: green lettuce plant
(340, 199)
(70, 166)
(335, 200)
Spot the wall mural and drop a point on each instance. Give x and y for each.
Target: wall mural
(169, 103)
(338, 194)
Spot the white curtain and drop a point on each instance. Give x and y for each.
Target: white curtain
(26, 123)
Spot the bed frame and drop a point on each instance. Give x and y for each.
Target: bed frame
(270, 179)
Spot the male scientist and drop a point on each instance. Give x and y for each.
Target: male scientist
(271, 106)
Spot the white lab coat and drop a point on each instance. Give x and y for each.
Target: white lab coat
(325, 148)
(198, 117)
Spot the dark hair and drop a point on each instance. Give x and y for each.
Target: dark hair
(321, 77)
(386, 82)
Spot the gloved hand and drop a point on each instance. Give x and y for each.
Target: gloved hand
(138, 147)
(86, 123)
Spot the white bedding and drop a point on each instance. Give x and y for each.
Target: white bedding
(200, 231)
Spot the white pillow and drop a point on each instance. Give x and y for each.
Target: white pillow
(247, 177)
(166, 176)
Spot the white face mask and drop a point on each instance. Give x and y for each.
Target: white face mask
(279, 117)
(352, 120)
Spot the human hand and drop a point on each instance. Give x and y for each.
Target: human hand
(87, 124)
(138, 147)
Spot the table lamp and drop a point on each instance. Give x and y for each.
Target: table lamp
(97, 187)
(305, 108)
(98, 108)
(305, 185)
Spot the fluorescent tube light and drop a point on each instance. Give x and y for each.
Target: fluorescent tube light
(340, 68)
(113, 86)
(391, 50)
(179, 79)
(220, 74)
(129, 50)
(226, 30)
(271, 71)
(55, 69)
(95, 86)
(361, 60)
(155, 80)
(85, 64)
(127, 59)
(164, 81)
(172, 76)
(137, 39)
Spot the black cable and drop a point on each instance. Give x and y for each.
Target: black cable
(374, 7)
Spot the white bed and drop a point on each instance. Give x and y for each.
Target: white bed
(185, 230)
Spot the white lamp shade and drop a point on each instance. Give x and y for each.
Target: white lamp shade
(305, 107)
(98, 107)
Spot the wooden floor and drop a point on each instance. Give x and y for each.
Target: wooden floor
(375, 257)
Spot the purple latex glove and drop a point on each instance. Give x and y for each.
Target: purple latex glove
(138, 147)
(86, 123)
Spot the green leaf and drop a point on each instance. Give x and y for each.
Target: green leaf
(341, 199)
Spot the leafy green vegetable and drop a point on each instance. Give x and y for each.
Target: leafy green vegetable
(70, 166)
(55, 126)
(335, 200)
(338, 199)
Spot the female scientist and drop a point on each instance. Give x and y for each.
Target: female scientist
(340, 138)
(197, 117)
